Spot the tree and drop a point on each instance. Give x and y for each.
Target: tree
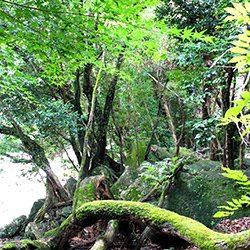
(61, 65)
(215, 90)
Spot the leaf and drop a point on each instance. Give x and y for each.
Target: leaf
(231, 204)
(230, 18)
(237, 59)
(236, 201)
(222, 214)
(246, 131)
(240, 64)
(239, 50)
(246, 95)
(247, 5)
(247, 32)
(241, 44)
(234, 111)
(240, 8)
(244, 38)
(233, 11)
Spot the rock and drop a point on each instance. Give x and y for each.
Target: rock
(197, 192)
(134, 184)
(70, 186)
(162, 153)
(34, 209)
(15, 228)
(92, 188)
(32, 231)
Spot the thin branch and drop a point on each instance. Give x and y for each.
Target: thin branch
(219, 59)
(45, 10)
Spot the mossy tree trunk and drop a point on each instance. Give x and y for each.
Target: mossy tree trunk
(97, 154)
(164, 221)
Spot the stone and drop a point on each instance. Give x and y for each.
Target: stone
(15, 228)
(197, 191)
(34, 209)
(70, 186)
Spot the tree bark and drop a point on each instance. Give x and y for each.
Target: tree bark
(164, 221)
(228, 156)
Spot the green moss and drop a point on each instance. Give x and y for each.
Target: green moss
(86, 191)
(25, 245)
(8, 247)
(196, 232)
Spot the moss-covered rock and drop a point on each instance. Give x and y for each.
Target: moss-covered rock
(200, 189)
(133, 185)
(196, 193)
(91, 188)
(24, 245)
(16, 227)
(162, 153)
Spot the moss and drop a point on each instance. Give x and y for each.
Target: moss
(194, 231)
(200, 190)
(86, 191)
(8, 247)
(25, 244)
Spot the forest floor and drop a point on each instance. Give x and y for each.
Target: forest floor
(126, 240)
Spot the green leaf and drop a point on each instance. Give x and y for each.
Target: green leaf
(244, 38)
(230, 18)
(234, 111)
(241, 44)
(246, 95)
(233, 11)
(239, 50)
(240, 64)
(236, 201)
(246, 131)
(240, 8)
(247, 32)
(222, 214)
(237, 59)
(247, 5)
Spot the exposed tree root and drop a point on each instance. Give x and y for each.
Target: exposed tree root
(160, 219)
(108, 238)
(167, 222)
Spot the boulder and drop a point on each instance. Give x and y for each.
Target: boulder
(34, 209)
(70, 186)
(197, 191)
(15, 228)
(92, 188)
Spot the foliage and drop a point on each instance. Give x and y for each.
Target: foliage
(240, 14)
(47, 50)
(236, 114)
(159, 172)
(235, 204)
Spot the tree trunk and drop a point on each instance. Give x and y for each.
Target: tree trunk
(228, 158)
